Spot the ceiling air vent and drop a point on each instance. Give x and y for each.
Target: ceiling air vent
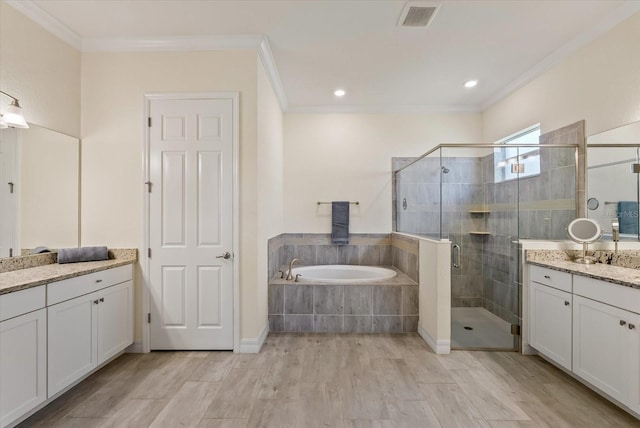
(418, 14)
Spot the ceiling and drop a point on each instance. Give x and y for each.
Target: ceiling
(318, 46)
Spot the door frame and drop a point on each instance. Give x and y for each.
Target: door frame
(234, 96)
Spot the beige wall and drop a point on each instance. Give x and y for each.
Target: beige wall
(600, 84)
(329, 157)
(113, 89)
(40, 70)
(269, 184)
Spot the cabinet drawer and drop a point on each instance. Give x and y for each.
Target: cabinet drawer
(21, 302)
(612, 294)
(550, 277)
(73, 287)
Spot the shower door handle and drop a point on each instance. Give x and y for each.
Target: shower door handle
(456, 253)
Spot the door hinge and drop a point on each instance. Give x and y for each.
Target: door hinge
(148, 184)
(10, 252)
(149, 252)
(149, 122)
(515, 329)
(149, 318)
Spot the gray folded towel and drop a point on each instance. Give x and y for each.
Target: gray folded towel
(340, 223)
(82, 254)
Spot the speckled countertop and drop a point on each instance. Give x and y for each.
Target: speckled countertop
(615, 274)
(399, 279)
(21, 279)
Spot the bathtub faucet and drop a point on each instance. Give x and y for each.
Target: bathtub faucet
(289, 275)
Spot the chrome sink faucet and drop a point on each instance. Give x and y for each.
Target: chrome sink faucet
(289, 276)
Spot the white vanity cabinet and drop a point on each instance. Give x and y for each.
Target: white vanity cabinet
(550, 321)
(590, 327)
(606, 351)
(87, 330)
(606, 338)
(23, 353)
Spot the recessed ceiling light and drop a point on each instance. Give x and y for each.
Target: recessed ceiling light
(339, 93)
(470, 83)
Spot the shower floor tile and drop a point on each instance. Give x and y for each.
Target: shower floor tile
(489, 331)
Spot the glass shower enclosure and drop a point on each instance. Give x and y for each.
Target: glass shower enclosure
(484, 198)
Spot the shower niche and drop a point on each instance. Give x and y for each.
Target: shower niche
(483, 198)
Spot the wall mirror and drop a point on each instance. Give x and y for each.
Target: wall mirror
(39, 190)
(584, 231)
(612, 184)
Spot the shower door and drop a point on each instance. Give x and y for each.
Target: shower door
(480, 218)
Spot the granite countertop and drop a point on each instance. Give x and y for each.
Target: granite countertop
(32, 277)
(563, 261)
(399, 279)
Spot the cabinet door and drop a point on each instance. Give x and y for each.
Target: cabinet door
(23, 364)
(115, 320)
(72, 341)
(550, 323)
(601, 347)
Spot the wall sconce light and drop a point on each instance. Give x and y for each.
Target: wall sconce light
(13, 116)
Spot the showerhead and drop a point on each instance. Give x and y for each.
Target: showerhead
(445, 170)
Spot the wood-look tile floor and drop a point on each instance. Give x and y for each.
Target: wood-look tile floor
(298, 380)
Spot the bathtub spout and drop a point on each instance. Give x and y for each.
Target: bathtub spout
(289, 275)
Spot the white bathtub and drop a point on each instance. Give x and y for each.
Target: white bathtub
(343, 274)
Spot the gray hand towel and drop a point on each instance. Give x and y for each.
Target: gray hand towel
(82, 254)
(340, 223)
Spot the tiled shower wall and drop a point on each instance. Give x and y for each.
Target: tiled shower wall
(363, 249)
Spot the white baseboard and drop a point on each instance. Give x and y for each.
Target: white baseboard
(135, 348)
(253, 346)
(438, 346)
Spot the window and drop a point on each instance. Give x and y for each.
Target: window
(513, 162)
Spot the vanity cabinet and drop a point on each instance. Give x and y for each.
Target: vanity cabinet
(550, 323)
(606, 348)
(88, 330)
(591, 328)
(23, 354)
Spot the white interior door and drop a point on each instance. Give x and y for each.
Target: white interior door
(190, 223)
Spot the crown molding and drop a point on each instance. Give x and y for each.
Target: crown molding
(269, 63)
(611, 20)
(176, 43)
(46, 21)
(384, 109)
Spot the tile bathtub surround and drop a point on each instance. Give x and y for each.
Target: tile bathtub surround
(323, 308)
(367, 249)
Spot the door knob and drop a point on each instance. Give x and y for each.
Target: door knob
(226, 256)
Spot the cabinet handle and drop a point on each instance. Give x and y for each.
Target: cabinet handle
(622, 322)
(547, 276)
(98, 280)
(95, 302)
(566, 303)
(102, 299)
(631, 326)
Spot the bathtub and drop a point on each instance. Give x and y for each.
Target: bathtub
(343, 299)
(343, 274)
